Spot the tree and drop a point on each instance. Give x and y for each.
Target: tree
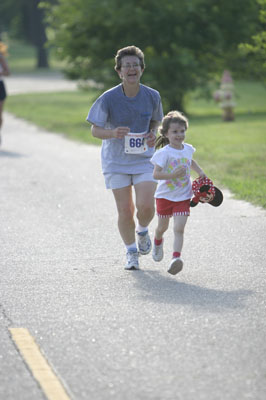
(23, 19)
(255, 51)
(185, 42)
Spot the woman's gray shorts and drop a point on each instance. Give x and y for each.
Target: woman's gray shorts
(118, 181)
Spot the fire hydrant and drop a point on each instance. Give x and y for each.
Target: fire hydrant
(225, 96)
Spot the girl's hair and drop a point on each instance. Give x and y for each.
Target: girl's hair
(171, 117)
(128, 51)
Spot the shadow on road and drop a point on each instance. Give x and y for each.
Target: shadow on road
(163, 289)
(11, 154)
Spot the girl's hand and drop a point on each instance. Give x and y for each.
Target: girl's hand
(120, 132)
(179, 172)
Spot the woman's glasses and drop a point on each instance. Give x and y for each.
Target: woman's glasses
(128, 66)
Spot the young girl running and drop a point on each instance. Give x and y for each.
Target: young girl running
(172, 164)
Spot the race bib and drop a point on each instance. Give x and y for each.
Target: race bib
(135, 143)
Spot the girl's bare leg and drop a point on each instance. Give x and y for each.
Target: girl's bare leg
(179, 226)
(176, 264)
(162, 226)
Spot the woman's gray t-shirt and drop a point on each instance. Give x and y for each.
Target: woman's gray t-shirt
(113, 109)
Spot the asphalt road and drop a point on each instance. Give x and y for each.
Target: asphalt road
(25, 83)
(115, 334)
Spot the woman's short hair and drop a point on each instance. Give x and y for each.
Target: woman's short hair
(128, 51)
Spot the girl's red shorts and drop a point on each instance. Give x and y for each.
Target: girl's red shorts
(167, 208)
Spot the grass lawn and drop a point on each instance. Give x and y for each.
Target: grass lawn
(63, 112)
(22, 59)
(232, 153)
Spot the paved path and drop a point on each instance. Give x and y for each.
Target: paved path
(24, 83)
(110, 333)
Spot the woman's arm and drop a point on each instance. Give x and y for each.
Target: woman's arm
(151, 137)
(5, 70)
(154, 126)
(102, 133)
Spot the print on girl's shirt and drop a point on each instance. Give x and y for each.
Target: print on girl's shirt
(174, 163)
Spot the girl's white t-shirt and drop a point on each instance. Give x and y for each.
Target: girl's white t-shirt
(169, 159)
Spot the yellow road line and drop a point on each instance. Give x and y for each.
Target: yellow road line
(40, 368)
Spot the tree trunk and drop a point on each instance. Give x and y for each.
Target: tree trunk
(176, 103)
(42, 59)
(36, 31)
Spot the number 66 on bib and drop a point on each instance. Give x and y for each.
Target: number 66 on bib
(135, 143)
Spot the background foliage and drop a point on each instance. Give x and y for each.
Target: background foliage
(186, 43)
(256, 50)
(24, 20)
